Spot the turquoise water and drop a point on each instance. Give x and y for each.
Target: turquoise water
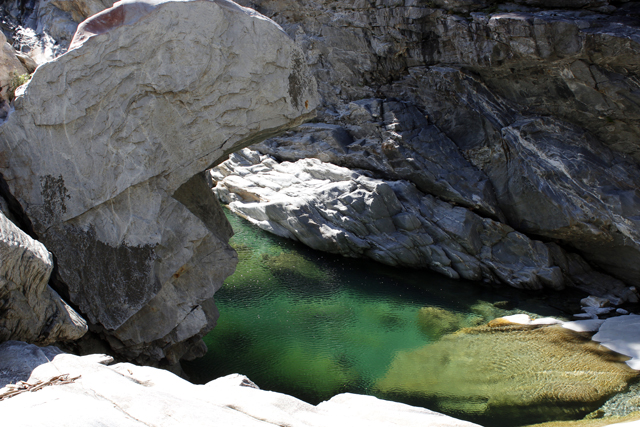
(313, 325)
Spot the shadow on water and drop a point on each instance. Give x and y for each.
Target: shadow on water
(312, 325)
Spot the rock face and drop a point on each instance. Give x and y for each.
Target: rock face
(106, 145)
(39, 30)
(523, 115)
(82, 9)
(394, 140)
(31, 310)
(10, 69)
(556, 180)
(565, 374)
(338, 210)
(134, 396)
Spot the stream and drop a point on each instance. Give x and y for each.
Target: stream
(313, 325)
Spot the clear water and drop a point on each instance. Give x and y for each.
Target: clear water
(314, 325)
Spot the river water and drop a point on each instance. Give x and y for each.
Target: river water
(313, 325)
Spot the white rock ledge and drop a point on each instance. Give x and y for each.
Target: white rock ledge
(622, 335)
(126, 395)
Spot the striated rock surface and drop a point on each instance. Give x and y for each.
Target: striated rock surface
(31, 310)
(339, 210)
(133, 396)
(394, 140)
(521, 114)
(106, 145)
(551, 178)
(504, 370)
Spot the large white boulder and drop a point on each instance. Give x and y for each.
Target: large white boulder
(104, 149)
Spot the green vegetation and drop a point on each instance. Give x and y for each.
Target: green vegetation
(16, 81)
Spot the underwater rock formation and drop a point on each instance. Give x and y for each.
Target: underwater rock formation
(105, 147)
(536, 372)
(127, 395)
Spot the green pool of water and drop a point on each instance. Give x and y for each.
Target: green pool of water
(313, 325)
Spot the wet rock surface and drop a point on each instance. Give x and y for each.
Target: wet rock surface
(106, 145)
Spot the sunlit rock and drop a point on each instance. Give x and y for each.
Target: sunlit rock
(133, 396)
(344, 211)
(31, 310)
(106, 143)
(622, 334)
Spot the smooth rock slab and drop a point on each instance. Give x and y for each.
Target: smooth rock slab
(134, 396)
(622, 334)
(151, 94)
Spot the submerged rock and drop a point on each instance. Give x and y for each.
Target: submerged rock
(134, 396)
(534, 372)
(106, 145)
(435, 322)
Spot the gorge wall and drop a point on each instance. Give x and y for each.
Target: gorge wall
(521, 114)
(503, 138)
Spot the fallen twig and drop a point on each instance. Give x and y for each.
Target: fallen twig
(22, 386)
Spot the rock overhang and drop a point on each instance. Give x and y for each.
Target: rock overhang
(104, 139)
